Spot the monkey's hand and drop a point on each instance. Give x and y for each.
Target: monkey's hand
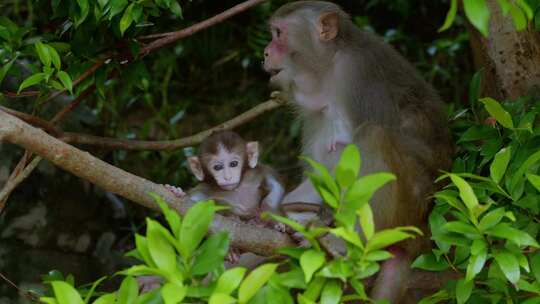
(177, 191)
(233, 256)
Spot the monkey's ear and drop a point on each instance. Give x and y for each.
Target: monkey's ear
(328, 26)
(252, 151)
(196, 167)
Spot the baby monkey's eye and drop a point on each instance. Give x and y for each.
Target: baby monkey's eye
(218, 167)
(278, 32)
(233, 164)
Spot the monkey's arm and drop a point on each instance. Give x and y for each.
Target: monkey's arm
(275, 189)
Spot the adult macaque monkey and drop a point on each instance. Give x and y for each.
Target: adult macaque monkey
(229, 171)
(351, 87)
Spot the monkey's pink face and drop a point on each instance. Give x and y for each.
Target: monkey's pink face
(277, 50)
(226, 168)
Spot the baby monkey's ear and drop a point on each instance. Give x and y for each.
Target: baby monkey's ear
(252, 151)
(196, 167)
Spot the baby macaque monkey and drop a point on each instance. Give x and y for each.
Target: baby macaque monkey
(230, 173)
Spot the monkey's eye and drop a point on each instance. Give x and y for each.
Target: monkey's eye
(278, 33)
(233, 164)
(218, 167)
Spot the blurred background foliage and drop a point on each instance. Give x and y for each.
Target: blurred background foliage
(176, 91)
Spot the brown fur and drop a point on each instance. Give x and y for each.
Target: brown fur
(363, 85)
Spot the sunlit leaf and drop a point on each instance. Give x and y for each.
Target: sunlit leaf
(331, 293)
(478, 14)
(463, 290)
(32, 80)
(496, 110)
(230, 280)
(127, 19)
(499, 164)
(311, 261)
(254, 281)
(172, 293)
(129, 290)
(65, 293)
(66, 80)
(348, 166)
(509, 265)
(450, 16)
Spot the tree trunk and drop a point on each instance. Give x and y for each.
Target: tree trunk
(511, 59)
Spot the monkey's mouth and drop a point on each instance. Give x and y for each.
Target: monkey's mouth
(274, 72)
(229, 187)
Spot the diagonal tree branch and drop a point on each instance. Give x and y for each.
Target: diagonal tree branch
(82, 164)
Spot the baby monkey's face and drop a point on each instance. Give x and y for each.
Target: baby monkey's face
(226, 168)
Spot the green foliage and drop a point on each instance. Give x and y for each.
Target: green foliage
(191, 265)
(485, 221)
(478, 13)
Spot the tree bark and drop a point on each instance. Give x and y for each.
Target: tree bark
(511, 59)
(246, 237)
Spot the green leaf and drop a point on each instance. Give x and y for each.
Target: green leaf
(142, 247)
(5, 69)
(254, 281)
(129, 290)
(505, 6)
(519, 18)
(195, 226)
(311, 261)
(172, 293)
(211, 253)
(388, 237)
(127, 19)
(478, 14)
(534, 180)
(176, 9)
(463, 290)
(518, 237)
(491, 219)
(221, 298)
(476, 263)
(66, 80)
(348, 166)
(535, 265)
(462, 228)
(326, 178)
(450, 16)
(85, 8)
(496, 110)
(379, 255)
(366, 221)
(331, 293)
(430, 262)
(499, 164)
(509, 265)
(106, 299)
(32, 80)
(350, 236)
(43, 53)
(55, 58)
(90, 292)
(65, 293)
(465, 192)
(117, 6)
(172, 217)
(230, 280)
(474, 87)
(161, 250)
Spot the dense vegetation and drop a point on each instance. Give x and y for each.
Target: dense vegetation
(485, 223)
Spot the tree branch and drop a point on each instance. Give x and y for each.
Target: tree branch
(125, 144)
(82, 164)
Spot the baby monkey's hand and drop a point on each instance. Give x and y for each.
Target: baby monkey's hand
(177, 191)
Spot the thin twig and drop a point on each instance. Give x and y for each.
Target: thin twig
(125, 144)
(167, 38)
